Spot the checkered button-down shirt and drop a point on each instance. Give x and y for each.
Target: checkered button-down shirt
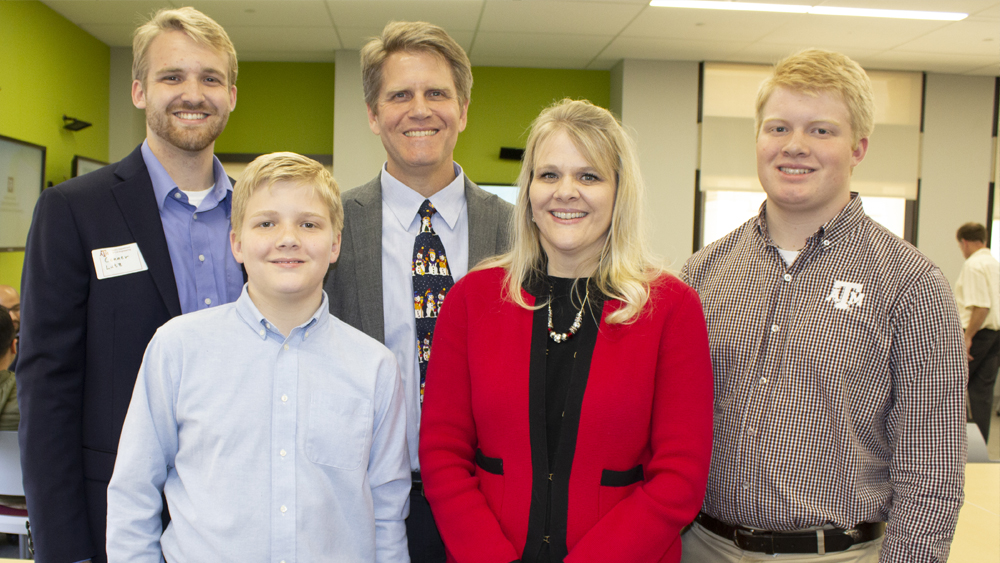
(839, 384)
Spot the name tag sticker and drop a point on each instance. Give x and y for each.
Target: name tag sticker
(118, 261)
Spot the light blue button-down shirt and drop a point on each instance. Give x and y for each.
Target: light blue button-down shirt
(268, 448)
(197, 238)
(400, 225)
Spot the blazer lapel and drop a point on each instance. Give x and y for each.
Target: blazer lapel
(483, 222)
(366, 233)
(138, 206)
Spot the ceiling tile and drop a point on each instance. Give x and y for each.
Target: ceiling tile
(670, 49)
(557, 17)
(283, 39)
(973, 38)
(770, 53)
(355, 38)
(988, 70)
(703, 25)
(265, 13)
(840, 32)
(452, 15)
(124, 12)
(529, 45)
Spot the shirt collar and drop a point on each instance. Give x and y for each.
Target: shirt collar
(164, 185)
(252, 316)
(833, 231)
(404, 202)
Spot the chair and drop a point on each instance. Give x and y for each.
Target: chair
(12, 521)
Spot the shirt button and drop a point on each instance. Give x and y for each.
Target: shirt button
(750, 431)
(201, 257)
(788, 277)
(177, 195)
(763, 380)
(284, 508)
(286, 346)
(208, 301)
(283, 453)
(746, 484)
(775, 328)
(306, 335)
(268, 325)
(826, 242)
(195, 216)
(263, 332)
(284, 398)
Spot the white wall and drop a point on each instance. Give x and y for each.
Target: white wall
(126, 123)
(357, 152)
(658, 102)
(955, 164)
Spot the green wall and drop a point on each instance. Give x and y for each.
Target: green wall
(281, 107)
(504, 103)
(50, 67)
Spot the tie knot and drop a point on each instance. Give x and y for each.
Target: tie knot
(427, 209)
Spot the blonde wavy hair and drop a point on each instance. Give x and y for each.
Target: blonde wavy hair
(196, 25)
(625, 267)
(269, 169)
(814, 71)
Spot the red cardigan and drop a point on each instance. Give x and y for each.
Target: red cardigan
(642, 424)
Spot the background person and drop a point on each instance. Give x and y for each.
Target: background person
(836, 350)
(9, 414)
(12, 301)
(977, 293)
(417, 83)
(110, 257)
(568, 406)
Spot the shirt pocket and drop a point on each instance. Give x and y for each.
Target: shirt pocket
(338, 429)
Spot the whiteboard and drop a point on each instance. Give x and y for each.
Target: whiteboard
(22, 176)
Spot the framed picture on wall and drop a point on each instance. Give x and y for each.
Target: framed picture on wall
(83, 165)
(22, 177)
(506, 192)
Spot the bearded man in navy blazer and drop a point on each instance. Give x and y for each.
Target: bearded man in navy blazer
(110, 257)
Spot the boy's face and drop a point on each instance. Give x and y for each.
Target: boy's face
(287, 243)
(804, 151)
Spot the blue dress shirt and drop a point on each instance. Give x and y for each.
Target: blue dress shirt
(268, 448)
(400, 225)
(197, 238)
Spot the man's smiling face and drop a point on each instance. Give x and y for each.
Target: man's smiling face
(185, 94)
(418, 117)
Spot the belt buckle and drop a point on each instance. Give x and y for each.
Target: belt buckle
(751, 540)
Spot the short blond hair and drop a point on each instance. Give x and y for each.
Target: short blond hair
(269, 169)
(194, 24)
(413, 37)
(814, 71)
(625, 267)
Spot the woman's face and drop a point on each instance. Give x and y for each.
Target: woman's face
(571, 202)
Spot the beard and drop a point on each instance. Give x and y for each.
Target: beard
(194, 138)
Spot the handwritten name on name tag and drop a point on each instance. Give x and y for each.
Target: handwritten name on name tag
(118, 261)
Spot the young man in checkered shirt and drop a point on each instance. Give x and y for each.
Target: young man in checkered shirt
(837, 351)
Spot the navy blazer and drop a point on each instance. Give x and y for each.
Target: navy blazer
(82, 341)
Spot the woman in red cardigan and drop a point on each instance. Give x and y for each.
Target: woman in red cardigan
(568, 404)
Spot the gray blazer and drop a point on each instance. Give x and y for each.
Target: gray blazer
(355, 282)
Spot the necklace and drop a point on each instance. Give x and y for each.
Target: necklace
(559, 337)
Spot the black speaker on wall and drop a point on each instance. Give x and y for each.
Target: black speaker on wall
(509, 153)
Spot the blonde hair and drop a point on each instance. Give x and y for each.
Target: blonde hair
(814, 71)
(412, 37)
(625, 267)
(194, 24)
(269, 169)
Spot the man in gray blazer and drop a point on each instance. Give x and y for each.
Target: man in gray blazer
(417, 82)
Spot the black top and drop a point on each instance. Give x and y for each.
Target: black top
(561, 362)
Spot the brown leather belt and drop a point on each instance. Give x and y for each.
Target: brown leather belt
(803, 541)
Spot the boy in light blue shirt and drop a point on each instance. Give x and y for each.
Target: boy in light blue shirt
(275, 431)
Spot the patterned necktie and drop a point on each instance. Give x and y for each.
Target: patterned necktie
(431, 282)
